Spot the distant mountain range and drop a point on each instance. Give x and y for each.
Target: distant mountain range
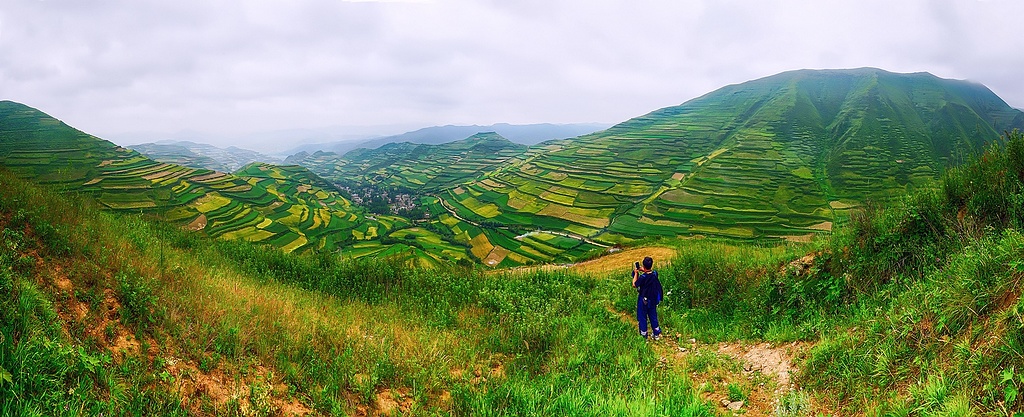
(522, 134)
(199, 155)
(415, 167)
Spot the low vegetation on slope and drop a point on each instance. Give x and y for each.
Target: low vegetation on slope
(110, 313)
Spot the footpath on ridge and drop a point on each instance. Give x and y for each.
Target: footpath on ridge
(762, 371)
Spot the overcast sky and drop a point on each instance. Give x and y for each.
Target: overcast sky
(119, 68)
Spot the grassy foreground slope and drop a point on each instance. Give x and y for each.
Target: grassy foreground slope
(108, 313)
(785, 155)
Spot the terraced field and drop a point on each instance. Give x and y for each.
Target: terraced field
(415, 167)
(499, 246)
(288, 207)
(781, 157)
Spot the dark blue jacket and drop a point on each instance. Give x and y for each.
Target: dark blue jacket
(649, 287)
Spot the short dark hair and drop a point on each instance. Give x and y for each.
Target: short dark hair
(648, 262)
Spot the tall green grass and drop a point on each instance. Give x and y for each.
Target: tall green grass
(43, 371)
(934, 286)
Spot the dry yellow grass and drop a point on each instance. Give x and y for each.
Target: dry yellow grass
(823, 226)
(618, 262)
(481, 246)
(623, 261)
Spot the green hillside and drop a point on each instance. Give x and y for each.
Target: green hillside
(909, 310)
(284, 206)
(415, 167)
(288, 207)
(110, 313)
(782, 156)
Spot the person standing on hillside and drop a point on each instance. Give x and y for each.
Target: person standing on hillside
(649, 294)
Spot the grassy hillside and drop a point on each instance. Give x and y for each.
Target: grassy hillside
(287, 207)
(106, 312)
(912, 309)
(783, 156)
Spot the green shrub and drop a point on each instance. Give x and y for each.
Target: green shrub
(138, 301)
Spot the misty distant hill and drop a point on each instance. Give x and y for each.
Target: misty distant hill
(201, 155)
(413, 166)
(522, 134)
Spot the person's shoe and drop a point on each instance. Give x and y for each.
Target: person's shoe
(644, 334)
(657, 337)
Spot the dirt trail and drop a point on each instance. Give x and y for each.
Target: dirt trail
(763, 369)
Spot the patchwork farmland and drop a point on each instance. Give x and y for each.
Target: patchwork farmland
(284, 206)
(782, 157)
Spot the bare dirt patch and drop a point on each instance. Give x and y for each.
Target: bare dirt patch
(623, 260)
(198, 224)
(158, 174)
(497, 255)
(393, 401)
(620, 261)
(823, 226)
(208, 177)
(765, 358)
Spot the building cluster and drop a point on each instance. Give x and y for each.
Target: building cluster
(375, 199)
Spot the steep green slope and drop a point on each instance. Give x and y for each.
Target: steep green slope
(912, 308)
(415, 167)
(784, 155)
(296, 210)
